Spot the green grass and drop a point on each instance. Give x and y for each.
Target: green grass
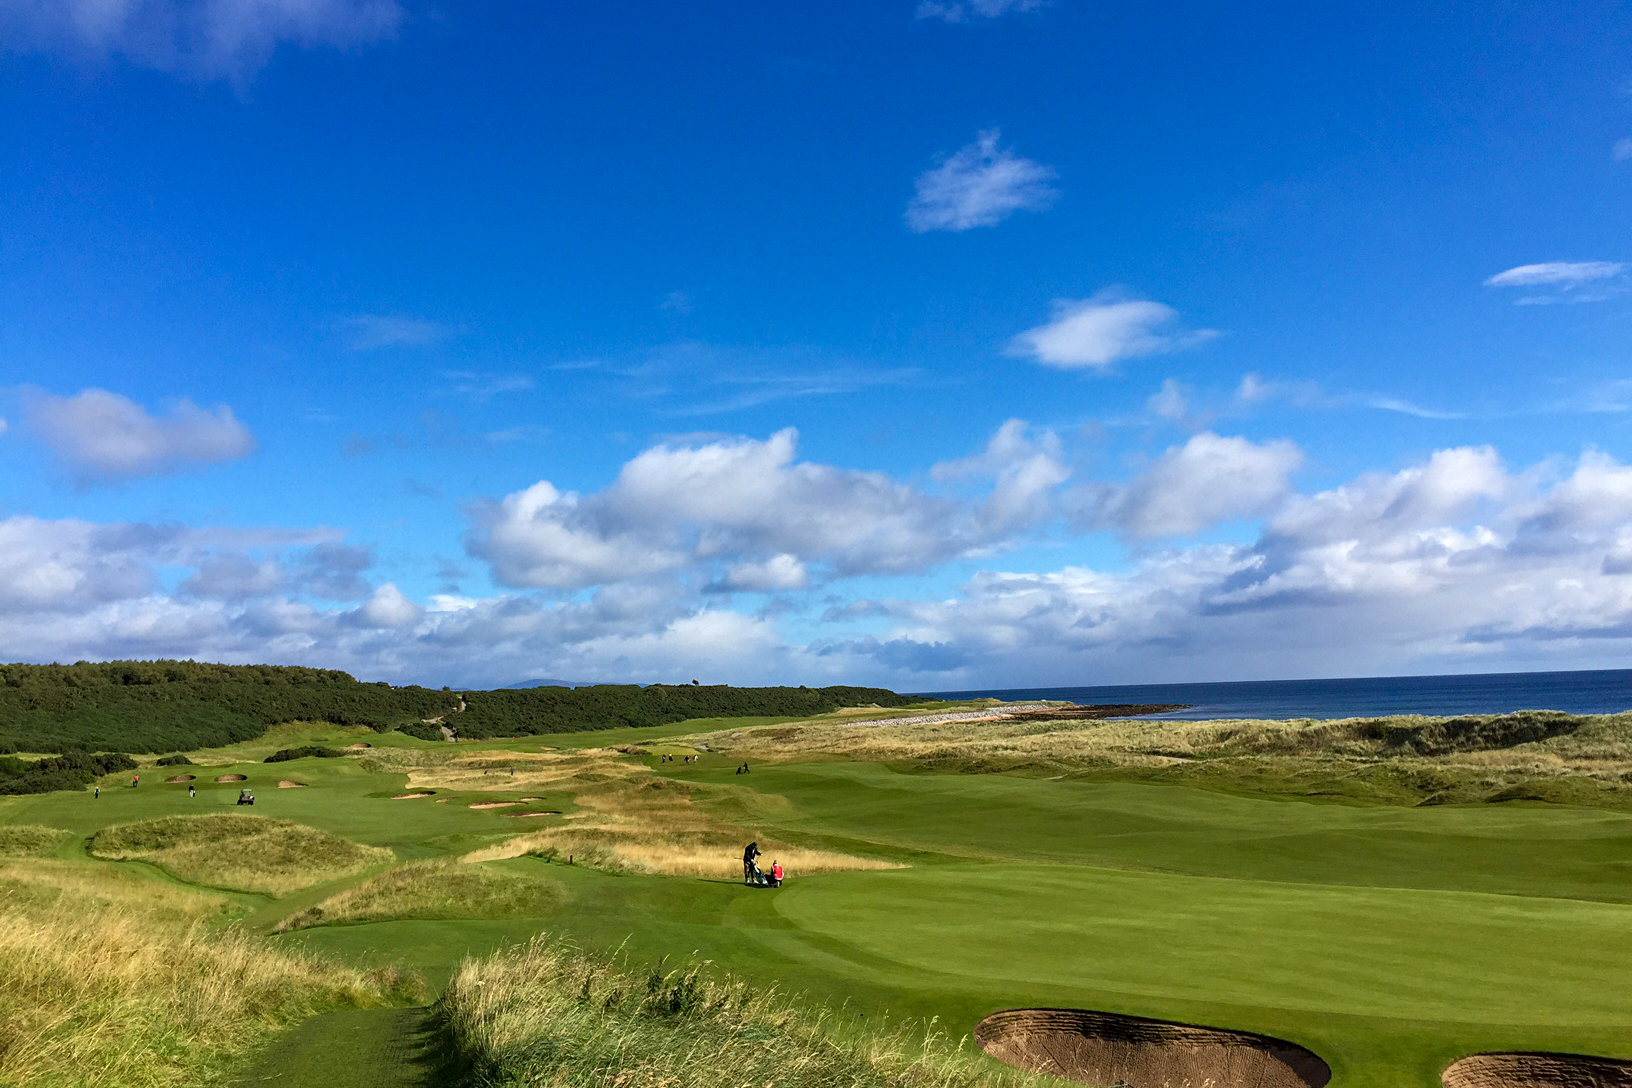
(546, 1014)
(30, 840)
(237, 852)
(1387, 938)
(435, 890)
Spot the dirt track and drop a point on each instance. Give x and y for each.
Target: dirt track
(1103, 1048)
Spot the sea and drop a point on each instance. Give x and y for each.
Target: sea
(1600, 691)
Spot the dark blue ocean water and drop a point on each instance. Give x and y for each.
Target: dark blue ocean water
(1601, 691)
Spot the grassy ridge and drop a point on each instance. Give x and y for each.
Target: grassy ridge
(242, 853)
(434, 889)
(546, 1014)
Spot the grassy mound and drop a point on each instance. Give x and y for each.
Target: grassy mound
(243, 853)
(545, 1014)
(112, 981)
(30, 840)
(435, 890)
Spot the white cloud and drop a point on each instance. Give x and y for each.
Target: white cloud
(209, 38)
(1451, 564)
(1208, 480)
(747, 513)
(100, 436)
(370, 332)
(963, 11)
(388, 607)
(1556, 273)
(979, 186)
(1096, 332)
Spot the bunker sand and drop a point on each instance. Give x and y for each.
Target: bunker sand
(1538, 1070)
(1104, 1048)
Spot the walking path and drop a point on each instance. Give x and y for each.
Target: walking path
(352, 1048)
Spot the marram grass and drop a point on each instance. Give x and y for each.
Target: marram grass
(547, 1015)
(435, 890)
(242, 853)
(104, 989)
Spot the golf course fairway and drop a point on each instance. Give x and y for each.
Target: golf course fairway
(1388, 940)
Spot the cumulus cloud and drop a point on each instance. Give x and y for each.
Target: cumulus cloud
(101, 437)
(729, 501)
(1452, 563)
(1098, 331)
(979, 186)
(208, 38)
(1208, 480)
(966, 11)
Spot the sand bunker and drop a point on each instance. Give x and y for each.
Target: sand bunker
(524, 815)
(232, 778)
(360, 744)
(181, 778)
(532, 800)
(1103, 1048)
(411, 796)
(496, 804)
(1521, 1070)
(290, 784)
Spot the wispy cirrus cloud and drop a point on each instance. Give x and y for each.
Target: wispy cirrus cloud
(1565, 281)
(370, 332)
(1095, 332)
(980, 185)
(212, 39)
(967, 11)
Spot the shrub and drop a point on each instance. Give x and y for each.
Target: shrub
(303, 752)
(177, 760)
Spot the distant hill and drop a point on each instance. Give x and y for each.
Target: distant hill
(551, 684)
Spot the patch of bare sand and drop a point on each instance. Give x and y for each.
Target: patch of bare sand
(496, 804)
(181, 778)
(1536, 1070)
(290, 784)
(409, 796)
(232, 778)
(1104, 1048)
(524, 815)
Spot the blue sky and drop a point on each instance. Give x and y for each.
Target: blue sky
(976, 343)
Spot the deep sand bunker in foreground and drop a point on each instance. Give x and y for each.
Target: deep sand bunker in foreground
(1104, 1049)
(232, 778)
(1538, 1070)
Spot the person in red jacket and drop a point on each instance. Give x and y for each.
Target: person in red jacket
(776, 874)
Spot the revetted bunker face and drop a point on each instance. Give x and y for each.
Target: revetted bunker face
(180, 778)
(232, 778)
(1105, 1049)
(1518, 1069)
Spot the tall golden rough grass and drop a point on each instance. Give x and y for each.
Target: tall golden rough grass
(545, 1014)
(109, 981)
(30, 840)
(240, 852)
(639, 822)
(435, 889)
(1598, 747)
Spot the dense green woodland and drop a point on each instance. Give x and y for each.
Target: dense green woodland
(164, 706)
(174, 706)
(525, 711)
